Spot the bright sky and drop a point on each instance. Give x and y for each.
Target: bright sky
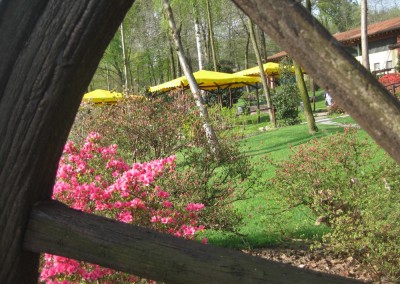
(382, 4)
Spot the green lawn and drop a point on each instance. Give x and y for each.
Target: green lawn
(267, 220)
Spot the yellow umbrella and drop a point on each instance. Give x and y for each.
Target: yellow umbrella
(270, 68)
(208, 80)
(102, 97)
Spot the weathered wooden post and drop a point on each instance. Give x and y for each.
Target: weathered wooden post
(49, 52)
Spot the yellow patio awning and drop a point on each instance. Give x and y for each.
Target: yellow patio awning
(102, 96)
(208, 80)
(270, 68)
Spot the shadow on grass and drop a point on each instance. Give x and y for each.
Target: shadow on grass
(266, 239)
(281, 138)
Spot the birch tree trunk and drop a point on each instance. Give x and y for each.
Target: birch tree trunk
(262, 74)
(364, 34)
(211, 34)
(198, 43)
(194, 87)
(125, 62)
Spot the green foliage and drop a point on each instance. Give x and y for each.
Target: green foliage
(343, 14)
(336, 179)
(144, 129)
(286, 98)
(149, 129)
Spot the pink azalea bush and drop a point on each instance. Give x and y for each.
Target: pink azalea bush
(94, 180)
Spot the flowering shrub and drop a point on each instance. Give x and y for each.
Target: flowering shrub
(390, 79)
(339, 178)
(93, 179)
(157, 127)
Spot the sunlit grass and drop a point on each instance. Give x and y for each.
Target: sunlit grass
(266, 219)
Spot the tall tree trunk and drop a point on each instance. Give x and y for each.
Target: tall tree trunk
(263, 45)
(308, 5)
(312, 127)
(206, 43)
(312, 83)
(364, 34)
(246, 58)
(198, 37)
(262, 74)
(124, 59)
(172, 61)
(211, 34)
(108, 78)
(194, 87)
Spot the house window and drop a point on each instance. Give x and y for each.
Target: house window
(377, 66)
(389, 64)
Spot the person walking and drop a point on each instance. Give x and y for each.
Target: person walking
(328, 99)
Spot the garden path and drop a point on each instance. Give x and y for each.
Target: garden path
(322, 118)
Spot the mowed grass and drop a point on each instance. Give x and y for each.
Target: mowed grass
(267, 219)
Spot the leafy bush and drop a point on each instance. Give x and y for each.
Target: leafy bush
(93, 179)
(335, 108)
(390, 79)
(286, 99)
(337, 179)
(143, 129)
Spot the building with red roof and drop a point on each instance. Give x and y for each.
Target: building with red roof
(383, 45)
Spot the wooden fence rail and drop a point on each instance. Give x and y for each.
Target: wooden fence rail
(57, 229)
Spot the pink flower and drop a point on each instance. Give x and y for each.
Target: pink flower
(137, 203)
(194, 207)
(167, 204)
(125, 217)
(163, 194)
(93, 179)
(166, 220)
(155, 219)
(118, 204)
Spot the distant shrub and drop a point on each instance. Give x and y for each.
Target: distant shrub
(335, 108)
(143, 129)
(360, 202)
(286, 98)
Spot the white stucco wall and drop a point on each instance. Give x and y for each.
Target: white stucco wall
(381, 58)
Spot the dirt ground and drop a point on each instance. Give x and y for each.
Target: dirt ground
(319, 260)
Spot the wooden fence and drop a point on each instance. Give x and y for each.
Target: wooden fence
(50, 51)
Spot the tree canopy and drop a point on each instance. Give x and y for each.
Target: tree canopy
(150, 53)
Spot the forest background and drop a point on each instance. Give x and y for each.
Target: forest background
(141, 53)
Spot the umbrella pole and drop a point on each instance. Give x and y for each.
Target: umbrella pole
(230, 98)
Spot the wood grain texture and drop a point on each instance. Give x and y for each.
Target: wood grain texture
(49, 53)
(57, 229)
(354, 88)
